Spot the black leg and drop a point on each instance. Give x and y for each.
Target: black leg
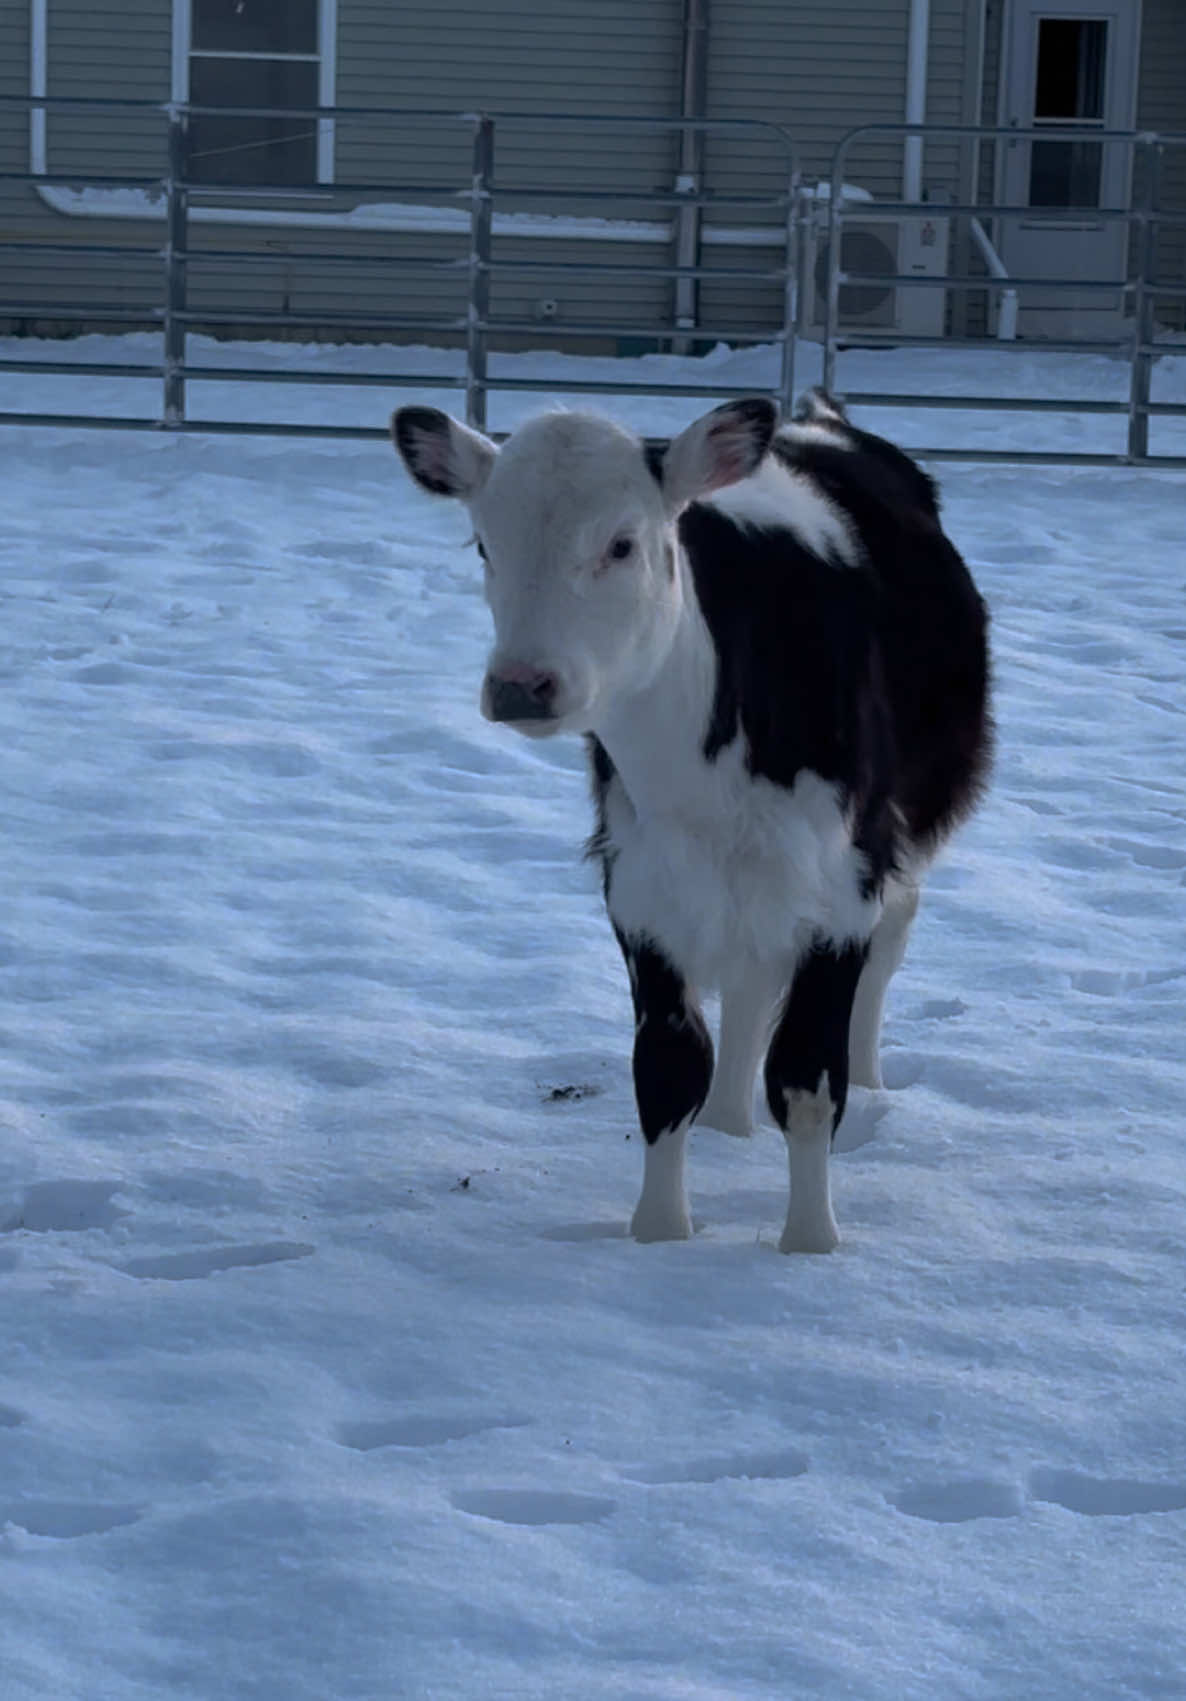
(672, 1074)
(807, 1084)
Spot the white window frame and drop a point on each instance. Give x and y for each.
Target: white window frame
(327, 75)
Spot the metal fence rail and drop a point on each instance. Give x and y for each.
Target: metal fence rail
(1140, 290)
(479, 264)
(789, 225)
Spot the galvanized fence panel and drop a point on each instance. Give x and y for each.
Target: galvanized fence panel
(462, 274)
(1140, 290)
(481, 259)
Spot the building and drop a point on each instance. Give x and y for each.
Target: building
(298, 224)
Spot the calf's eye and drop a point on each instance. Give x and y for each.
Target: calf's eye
(620, 549)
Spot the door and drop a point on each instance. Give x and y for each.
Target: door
(1068, 64)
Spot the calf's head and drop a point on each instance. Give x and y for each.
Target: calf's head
(575, 520)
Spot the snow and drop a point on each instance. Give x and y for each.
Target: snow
(409, 216)
(329, 1370)
(413, 216)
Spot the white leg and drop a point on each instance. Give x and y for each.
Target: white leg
(810, 1225)
(748, 1006)
(662, 1212)
(887, 947)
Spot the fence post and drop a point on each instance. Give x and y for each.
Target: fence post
(1141, 383)
(793, 291)
(481, 227)
(833, 238)
(177, 199)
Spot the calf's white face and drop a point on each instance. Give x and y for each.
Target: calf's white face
(578, 538)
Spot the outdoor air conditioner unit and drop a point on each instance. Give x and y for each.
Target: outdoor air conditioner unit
(894, 244)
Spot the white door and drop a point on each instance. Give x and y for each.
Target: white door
(1068, 63)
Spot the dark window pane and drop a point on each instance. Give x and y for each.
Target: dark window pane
(273, 150)
(255, 26)
(1065, 174)
(1070, 79)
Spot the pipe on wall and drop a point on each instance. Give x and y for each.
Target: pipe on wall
(917, 65)
(38, 81)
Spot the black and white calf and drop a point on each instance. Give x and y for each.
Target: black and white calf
(781, 665)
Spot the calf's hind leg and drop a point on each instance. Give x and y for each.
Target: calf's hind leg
(887, 947)
(807, 1084)
(672, 1070)
(749, 997)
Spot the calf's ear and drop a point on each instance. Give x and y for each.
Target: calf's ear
(442, 456)
(722, 447)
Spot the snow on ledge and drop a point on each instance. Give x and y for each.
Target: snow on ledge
(119, 203)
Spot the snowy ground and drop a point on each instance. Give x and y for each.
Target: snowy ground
(329, 1373)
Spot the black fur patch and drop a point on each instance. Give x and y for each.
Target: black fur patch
(931, 627)
(653, 454)
(874, 676)
(672, 1050)
(794, 638)
(601, 772)
(811, 1039)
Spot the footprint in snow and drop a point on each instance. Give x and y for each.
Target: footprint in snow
(962, 1500)
(727, 1467)
(574, 1233)
(1107, 983)
(959, 1501)
(419, 1430)
(210, 1260)
(63, 1206)
(941, 1009)
(66, 1519)
(533, 1506)
(1106, 1497)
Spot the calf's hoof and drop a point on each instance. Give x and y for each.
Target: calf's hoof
(652, 1223)
(810, 1234)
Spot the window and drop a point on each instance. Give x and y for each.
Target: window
(1069, 89)
(267, 54)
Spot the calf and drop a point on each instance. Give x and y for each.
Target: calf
(780, 664)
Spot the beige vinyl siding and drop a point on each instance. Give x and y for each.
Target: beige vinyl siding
(34, 285)
(565, 56)
(17, 218)
(400, 276)
(14, 80)
(946, 163)
(113, 53)
(820, 71)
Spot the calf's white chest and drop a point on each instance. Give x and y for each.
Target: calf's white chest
(733, 868)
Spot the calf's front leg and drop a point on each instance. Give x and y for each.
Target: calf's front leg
(672, 1071)
(807, 1084)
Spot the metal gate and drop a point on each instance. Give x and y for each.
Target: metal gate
(790, 235)
(469, 212)
(1139, 290)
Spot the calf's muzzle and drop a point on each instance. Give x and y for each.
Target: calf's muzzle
(520, 694)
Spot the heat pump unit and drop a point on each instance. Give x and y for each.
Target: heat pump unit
(893, 244)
